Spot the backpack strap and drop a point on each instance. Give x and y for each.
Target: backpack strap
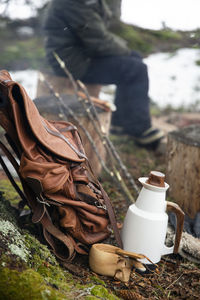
(6, 170)
(10, 133)
(51, 232)
(112, 217)
(61, 136)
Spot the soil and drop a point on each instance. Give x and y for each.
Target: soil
(2, 175)
(173, 278)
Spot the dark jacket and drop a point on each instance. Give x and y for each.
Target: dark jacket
(78, 31)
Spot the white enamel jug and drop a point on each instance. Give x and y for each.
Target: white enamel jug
(145, 225)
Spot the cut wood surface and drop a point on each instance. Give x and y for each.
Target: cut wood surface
(183, 170)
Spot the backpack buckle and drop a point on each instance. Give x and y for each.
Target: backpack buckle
(43, 202)
(99, 205)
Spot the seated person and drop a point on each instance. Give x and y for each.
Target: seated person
(78, 31)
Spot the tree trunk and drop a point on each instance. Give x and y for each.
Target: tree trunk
(183, 171)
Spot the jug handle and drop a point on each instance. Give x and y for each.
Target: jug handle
(173, 207)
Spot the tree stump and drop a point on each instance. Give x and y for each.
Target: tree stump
(63, 85)
(183, 170)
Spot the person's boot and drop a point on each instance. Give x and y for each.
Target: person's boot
(149, 138)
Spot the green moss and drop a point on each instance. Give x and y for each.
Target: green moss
(24, 252)
(45, 263)
(26, 285)
(10, 193)
(166, 34)
(29, 51)
(19, 246)
(133, 37)
(28, 269)
(102, 293)
(198, 62)
(13, 239)
(40, 252)
(147, 41)
(55, 276)
(97, 280)
(29, 284)
(7, 212)
(91, 298)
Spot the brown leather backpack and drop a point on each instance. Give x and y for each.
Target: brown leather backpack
(58, 185)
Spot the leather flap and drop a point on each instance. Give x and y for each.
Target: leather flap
(62, 145)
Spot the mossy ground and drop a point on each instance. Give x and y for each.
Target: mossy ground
(147, 41)
(28, 270)
(20, 52)
(9, 191)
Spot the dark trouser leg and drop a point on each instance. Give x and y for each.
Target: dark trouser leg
(133, 105)
(129, 74)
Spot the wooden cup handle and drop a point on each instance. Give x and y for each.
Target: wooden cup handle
(132, 255)
(171, 206)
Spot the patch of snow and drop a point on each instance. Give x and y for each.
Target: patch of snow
(25, 31)
(18, 9)
(174, 79)
(156, 14)
(28, 78)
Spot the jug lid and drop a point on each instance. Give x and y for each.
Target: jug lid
(155, 181)
(156, 178)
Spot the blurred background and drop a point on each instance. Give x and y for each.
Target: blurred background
(166, 33)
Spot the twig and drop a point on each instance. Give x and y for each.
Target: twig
(69, 75)
(174, 282)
